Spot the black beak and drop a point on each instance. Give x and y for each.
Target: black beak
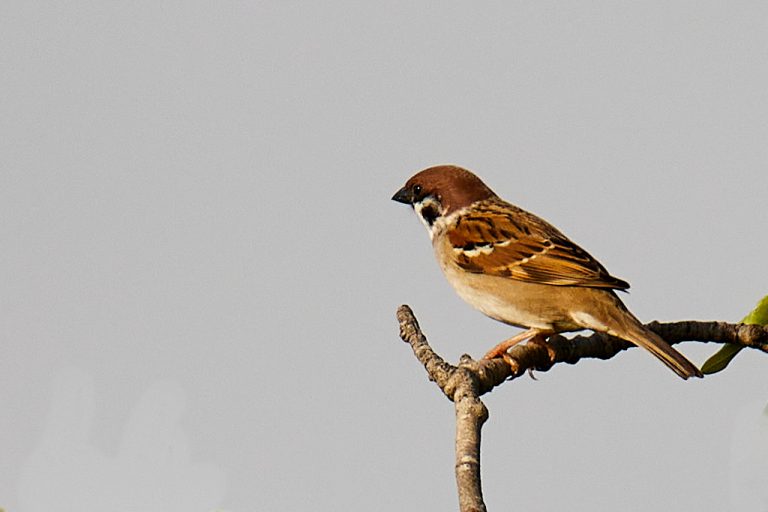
(404, 195)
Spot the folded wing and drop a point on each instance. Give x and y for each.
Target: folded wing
(510, 242)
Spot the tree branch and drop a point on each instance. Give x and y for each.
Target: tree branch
(466, 383)
(460, 384)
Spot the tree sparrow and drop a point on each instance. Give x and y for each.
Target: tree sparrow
(519, 269)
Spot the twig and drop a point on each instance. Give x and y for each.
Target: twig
(460, 384)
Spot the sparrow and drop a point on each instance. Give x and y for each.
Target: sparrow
(519, 269)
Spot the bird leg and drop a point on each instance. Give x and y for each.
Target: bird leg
(500, 350)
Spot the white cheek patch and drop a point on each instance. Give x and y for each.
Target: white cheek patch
(427, 209)
(419, 207)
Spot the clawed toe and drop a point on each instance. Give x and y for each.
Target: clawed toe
(542, 340)
(531, 336)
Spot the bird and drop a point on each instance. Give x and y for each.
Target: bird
(519, 269)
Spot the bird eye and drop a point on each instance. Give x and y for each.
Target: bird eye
(416, 190)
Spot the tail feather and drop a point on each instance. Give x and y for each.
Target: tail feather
(614, 318)
(653, 343)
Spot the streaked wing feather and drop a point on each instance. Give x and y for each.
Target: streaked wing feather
(510, 242)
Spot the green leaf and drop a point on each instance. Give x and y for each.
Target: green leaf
(722, 357)
(759, 315)
(720, 360)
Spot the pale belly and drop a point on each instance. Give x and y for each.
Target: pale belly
(513, 302)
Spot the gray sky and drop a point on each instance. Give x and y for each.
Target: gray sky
(201, 264)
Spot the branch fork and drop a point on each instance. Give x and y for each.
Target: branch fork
(465, 383)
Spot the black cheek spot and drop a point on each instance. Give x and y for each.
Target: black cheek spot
(429, 214)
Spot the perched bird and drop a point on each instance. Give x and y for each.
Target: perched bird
(518, 269)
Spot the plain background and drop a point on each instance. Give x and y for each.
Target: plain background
(200, 262)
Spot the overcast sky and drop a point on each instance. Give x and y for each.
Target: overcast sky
(200, 262)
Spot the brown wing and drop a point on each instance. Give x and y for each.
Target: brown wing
(505, 241)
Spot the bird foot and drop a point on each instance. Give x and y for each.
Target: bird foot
(541, 340)
(501, 349)
(531, 336)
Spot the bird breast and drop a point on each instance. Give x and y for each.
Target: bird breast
(510, 301)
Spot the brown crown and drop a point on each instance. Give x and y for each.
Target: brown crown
(455, 187)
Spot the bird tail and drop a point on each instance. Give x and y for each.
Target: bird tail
(608, 314)
(654, 344)
(632, 330)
